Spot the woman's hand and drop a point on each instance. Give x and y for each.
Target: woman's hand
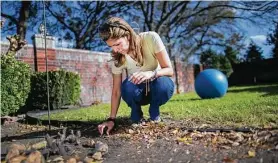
(108, 124)
(139, 77)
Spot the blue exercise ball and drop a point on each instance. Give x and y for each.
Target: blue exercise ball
(211, 83)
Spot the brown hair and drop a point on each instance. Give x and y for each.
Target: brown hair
(115, 28)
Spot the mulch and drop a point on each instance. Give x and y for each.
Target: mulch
(164, 142)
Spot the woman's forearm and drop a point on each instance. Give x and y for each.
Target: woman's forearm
(165, 72)
(115, 103)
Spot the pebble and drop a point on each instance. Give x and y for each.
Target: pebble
(171, 159)
(59, 158)
(97, 156)
(88, 160)
(101, 147)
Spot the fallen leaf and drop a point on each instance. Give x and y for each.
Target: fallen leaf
(130, 131)
(214, 140)
(235, 144)
(227, 159)
(97, 156)
(251, 153)
(151, 141)
(175, 131)
(184, 140)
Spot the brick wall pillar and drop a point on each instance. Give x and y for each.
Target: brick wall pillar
(201, 67)
(39, 53)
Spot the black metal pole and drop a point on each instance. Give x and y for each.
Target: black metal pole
(46, 66)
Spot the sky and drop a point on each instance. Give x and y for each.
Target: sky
(259, 36)
(256, 33)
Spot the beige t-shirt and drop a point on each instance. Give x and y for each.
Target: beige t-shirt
(151, 45)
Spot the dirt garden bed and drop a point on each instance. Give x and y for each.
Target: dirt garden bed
(164, 142)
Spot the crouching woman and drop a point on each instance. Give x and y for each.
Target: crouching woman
(144, 58)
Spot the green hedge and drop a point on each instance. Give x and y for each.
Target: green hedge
(64, 89)
(261, 71)
(15, 84)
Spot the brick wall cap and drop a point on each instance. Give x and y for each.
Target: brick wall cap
(8, 44)
(83, 51)
(42, 36)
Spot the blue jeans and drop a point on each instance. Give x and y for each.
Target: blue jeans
(161, 90)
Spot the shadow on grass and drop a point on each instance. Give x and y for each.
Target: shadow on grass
(182, 100)
(191, 99)
(269, 90)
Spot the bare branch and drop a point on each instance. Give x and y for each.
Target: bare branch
(11, 18)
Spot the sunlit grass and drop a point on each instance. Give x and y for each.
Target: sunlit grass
(254, 106)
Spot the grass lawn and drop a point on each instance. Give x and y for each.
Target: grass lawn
(244, 106)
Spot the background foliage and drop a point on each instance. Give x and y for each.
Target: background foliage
(186, 27)
(64, 89)
(15, 84)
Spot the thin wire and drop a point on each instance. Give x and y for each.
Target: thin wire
(46, 65)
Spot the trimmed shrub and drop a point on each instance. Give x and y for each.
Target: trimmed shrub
(15, 84)
(64, 89)
(264, 71)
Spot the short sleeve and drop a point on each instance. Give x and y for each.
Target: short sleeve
(157, 42)
(117, 70)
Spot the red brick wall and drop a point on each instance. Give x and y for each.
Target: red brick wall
(185, 77)
(40, 60)
(93, 67)
(26, 54)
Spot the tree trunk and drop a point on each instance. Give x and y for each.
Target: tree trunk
(176, 75)
(23, 17)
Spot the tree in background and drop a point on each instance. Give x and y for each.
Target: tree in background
(20, 17)
(210, 59)
(79, 20)
(186, 26)
(254, 53)
(231, 55)
(272, 39)
(225, 65)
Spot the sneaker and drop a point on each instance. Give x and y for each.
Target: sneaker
(140, 123)
(158, 120)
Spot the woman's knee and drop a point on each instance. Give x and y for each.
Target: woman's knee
(127, 87)
(129, 91)
(163, 89)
